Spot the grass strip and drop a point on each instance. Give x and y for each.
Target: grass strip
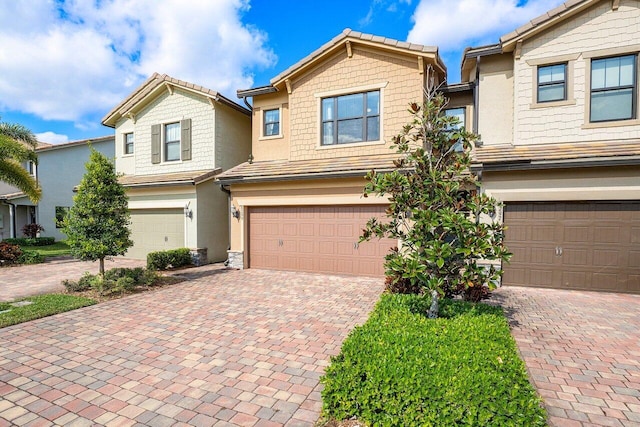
(41, 306)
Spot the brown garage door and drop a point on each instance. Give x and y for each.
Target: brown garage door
(589, 246)
(316, 238)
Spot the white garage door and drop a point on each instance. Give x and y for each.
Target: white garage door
(155, 230)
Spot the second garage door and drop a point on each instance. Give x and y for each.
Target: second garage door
(155, 230)
(586, 246)
(320, 239)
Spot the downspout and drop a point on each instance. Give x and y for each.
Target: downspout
(228, 191)
(476, 97)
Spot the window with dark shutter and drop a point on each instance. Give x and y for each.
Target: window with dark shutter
(156, 144)
(185, 139)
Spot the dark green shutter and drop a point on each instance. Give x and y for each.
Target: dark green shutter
(156, 144)
(185, 139)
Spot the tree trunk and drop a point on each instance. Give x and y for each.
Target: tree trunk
(434, 310)
(102, 267)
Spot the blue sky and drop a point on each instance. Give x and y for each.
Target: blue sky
(65, 63)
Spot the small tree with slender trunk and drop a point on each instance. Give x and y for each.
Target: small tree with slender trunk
(97, 225)
(444, 223)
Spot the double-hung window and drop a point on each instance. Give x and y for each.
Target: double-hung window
(613, 88)
(171, 142)
(271, 120)
(351, 118)
(128, 143)
(552, 83)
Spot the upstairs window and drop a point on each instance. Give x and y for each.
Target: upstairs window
(351, 118)
(552, 83)
(613, 88)
(271, 122)
(458, 113)
(172, 142)
(128, 143)
(31, 167)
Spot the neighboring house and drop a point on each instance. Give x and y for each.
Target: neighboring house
(317, 129)
(60, 169)
(16, 210)
(172, 139)
(556, 105)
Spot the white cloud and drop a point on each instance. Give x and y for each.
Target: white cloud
(66, 61)
(52, 137)
(454, 24)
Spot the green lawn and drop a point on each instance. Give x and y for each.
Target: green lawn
(57, 249)
(42, 306)
(402, 369)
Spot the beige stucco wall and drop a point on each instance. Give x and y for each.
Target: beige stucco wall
(232, 136)
(584, 184)
(168, 108)
(597, 32)
(271, 147)
(495, 104)
(396, 76)
(212, 220)
(347, 191)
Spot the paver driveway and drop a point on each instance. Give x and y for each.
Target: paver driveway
(227, 348)
(582, 350)
(27, 280)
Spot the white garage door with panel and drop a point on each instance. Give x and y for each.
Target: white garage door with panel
(155, 230)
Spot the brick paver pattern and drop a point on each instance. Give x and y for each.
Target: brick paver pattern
(582, 350)
(244, 348)
(27, 280)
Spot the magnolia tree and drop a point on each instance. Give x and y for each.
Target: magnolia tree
(446, 226)
(97, 225)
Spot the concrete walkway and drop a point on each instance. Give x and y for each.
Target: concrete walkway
(27, 280)
(582, 350)
(241, 348)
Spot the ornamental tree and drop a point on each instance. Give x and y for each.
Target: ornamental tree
(97, 225)
(17, 146)
(445, 224)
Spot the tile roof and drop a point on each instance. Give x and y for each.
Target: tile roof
(271, 170)
(154, 82)
(365, 38)
(10, 196)
(557, 153)
(178, 178)
(50, 147)
(547, 18)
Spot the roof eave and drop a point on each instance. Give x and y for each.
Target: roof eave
(300, 176)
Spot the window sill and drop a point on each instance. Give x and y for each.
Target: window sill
(563, 103)
(128, 155)
(612, 124)
(267, 138)
(350, 145)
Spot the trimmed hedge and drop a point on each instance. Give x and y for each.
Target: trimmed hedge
(26, 241)
(172, 258)
(402, 369)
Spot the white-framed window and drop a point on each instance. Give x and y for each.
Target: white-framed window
(552, 83)
(128, 143)
(32, 168)
(171, 142)
(271, 122)
(613, 88)
(350, 118)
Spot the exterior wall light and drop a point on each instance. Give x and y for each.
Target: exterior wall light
(235, 212)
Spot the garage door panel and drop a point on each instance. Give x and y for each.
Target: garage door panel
(318, 238)
(593, 246)
(155, 230)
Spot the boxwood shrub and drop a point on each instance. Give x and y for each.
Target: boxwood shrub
(27, 241)
(173, 258)
(402, 369)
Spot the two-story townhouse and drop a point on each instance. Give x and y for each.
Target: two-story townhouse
(60, 170)
(318, 128)
(556, 105)
(16, 210)
(172, 139)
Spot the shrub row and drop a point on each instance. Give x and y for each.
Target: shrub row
(114, 280)
(173, 258)
(27, 241)
(401, 368)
